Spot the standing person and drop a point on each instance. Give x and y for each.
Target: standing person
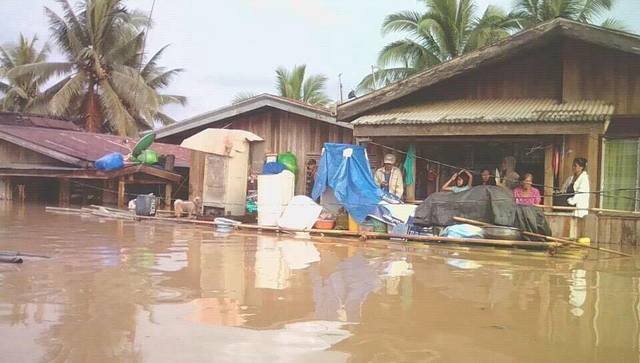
(507, 176)
(525, 193)
(462, 182)
(577, 189)
(389, 177)
(486, 178)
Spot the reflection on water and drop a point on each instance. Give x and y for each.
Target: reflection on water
(133, 292)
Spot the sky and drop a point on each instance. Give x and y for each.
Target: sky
(231, 46)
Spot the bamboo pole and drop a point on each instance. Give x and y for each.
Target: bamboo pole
(599, 210)
(362, 235)
(367, 235)
(549, 238)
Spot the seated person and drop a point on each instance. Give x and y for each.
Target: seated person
(506, 176)
(485, 178)
(462, 181)
(389, 177)
(525, 193)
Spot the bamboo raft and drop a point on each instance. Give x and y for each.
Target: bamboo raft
(550, 244)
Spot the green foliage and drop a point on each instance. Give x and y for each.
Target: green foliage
(528, 13)
(295, 84)
(22, 92)
(108, 85)
(446, 30)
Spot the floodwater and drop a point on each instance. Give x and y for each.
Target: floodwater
(120, 291)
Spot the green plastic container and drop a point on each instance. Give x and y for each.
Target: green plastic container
(143, 144)
(289, 160)
(148, 157)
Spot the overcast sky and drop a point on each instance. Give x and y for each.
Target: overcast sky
(229, 46)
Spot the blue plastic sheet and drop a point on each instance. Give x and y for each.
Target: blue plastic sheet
(113, 161)
(345, 169)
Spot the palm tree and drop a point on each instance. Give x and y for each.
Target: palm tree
(528, 13)
(22, 94)
(295, 84)
(447, 29)
(104, 86)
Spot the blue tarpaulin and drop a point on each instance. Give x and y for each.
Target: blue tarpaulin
(345, 169)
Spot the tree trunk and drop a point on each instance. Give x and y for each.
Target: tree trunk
(93, 121)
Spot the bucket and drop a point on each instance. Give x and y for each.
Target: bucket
(146, 205)
(353, 225)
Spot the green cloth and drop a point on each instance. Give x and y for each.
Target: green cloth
(409, 162)
(620, 172)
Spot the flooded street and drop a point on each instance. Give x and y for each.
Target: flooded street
(119, 291)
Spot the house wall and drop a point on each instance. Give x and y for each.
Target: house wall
(282, 131)
(11, 153)
(535, 74)
(598, 73)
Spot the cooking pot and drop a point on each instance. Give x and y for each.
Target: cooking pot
(503, 233)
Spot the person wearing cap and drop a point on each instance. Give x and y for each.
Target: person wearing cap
(389, 177)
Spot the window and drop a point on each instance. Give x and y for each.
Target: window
(620, 174)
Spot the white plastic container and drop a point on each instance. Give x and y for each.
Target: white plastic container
(274, 192)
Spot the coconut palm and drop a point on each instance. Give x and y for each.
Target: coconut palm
(295, 84)
(447, 29)
(22, 94)
(103, 86)
(528, 13)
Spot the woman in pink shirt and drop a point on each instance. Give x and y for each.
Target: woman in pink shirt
(525, 193)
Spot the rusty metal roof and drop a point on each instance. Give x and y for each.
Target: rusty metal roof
(25, 119)
(81, 148)
(491, 111)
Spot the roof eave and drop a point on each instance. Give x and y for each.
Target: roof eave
(264, 100)
(488, 55)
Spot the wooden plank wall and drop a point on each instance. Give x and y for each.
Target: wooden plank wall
(596, 73)
(531, 75)
(196, 174)
(613, 230)
(282, 131)
(11, 153)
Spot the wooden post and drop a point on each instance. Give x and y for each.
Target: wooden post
(548, 176)
(168, 190)
(64, 193)
(21, 193)
(6, 189)
(121, 196)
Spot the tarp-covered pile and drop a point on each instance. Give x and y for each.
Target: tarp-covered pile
(345, 169)
(489, 204)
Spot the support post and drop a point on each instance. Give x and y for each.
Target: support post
(548, 176)
(6, 191)
(121, 188)
(168, 190)
(22, 195)
(64, 193)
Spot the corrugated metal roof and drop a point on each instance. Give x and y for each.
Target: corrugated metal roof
(88, 146)
(492, 111)
(25, 119)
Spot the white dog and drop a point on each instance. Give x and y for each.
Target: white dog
(185, 206)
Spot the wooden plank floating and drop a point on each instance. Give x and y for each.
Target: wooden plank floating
(120, 214)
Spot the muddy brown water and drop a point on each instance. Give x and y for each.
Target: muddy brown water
(120, 291)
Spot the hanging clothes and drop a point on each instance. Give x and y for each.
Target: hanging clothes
(409, 165)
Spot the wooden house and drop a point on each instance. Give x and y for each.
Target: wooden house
(51, 160)
(546, 95)
(284, 124)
